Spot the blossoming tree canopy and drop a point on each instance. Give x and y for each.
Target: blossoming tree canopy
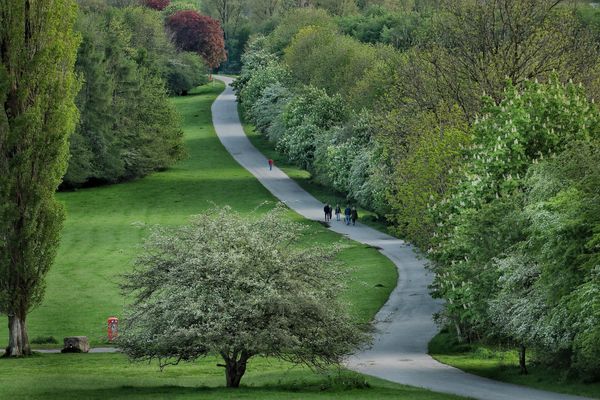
(237, 287)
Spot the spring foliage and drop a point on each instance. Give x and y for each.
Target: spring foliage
(127, 128)
(37, 88)
(512, 229)
(464, 133)
(225, 284)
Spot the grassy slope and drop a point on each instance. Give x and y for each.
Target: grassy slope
(502, 365)
(103, 232)
(105, 226)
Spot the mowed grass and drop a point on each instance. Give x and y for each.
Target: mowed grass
(503, 365)
(111, 376)
(103, 232)
(105, 227)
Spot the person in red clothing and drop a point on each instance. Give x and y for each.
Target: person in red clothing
(270, 164)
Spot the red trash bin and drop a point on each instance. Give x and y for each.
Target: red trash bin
(113, 328)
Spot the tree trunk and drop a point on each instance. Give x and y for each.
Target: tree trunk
(234, 370)
(522, 360)
(18, 340)
(459, 335)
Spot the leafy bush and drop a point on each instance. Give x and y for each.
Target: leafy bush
(424, 175)
(261, 79)
(264, 112)
(306, 117)
(293, 22)
(314, 50)
(187, 71)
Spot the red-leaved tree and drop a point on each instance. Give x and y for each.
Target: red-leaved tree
(157, 4)
(199, 33)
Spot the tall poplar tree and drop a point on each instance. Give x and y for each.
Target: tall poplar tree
(37, 115)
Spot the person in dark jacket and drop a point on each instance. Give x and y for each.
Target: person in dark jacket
(354, 215)
(327, 211)
(347, 214)
(338, 211)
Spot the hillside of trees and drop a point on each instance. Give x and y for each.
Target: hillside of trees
(471, 128)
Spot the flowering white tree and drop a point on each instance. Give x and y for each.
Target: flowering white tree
(236, 287)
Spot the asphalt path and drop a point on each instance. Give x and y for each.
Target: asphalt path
(404, 325)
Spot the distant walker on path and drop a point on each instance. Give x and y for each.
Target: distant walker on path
(354, 215)
(270, 164)
(347, 213)
(338, 211)
(327, 210)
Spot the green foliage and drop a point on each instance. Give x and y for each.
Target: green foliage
(466, 49)
(178, 6)
(187, 72)
(314, 50)
(264, 76)
(471, 46)
(127, 128)
(293, 22)
(373, 83)
(240, 288)
(267, 110)
(564, 219)
(347, 159)
(37, 88)
(94, 144)
(337, 7)
(515, 228)
(424, 174)
(305, 118)
(380, 25)
(254, 58)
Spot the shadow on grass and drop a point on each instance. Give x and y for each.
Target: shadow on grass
(502, 363)
(182, 392)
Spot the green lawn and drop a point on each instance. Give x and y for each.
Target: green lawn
(111, 376)
(103, 232)
(305, 179)
(503, 365)
(105, 226)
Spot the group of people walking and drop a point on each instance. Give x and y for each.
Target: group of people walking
(350, 214)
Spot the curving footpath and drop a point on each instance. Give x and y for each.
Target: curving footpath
(404, 324)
